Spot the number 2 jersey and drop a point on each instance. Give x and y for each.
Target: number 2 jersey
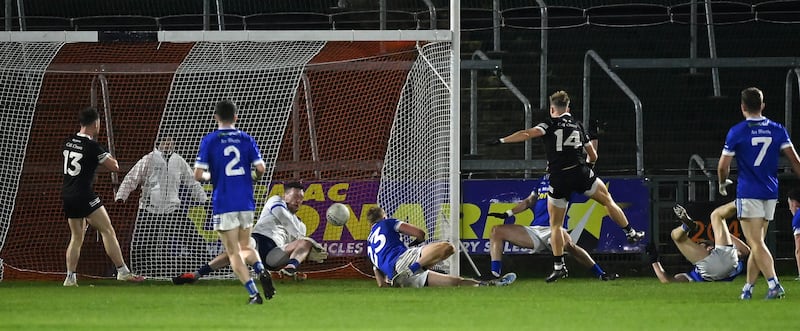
(756, 143)
(384, 245)
(227, 155)
(82, 155)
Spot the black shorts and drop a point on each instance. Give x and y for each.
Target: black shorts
(81, 206)
(265, 244)
(578, 179)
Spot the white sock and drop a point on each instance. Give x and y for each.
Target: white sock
(123, 270)
(772, 282)
(747, 287)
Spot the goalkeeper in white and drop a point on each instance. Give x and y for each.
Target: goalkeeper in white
(278, 237)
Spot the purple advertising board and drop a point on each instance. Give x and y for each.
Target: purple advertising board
(588, 223)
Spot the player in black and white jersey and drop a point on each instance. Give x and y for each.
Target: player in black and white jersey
(565, 143)
(82, 155)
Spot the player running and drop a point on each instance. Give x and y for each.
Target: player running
(565, 142)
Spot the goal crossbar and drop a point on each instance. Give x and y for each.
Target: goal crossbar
(239, 35)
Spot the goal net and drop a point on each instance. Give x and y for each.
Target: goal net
(357, 122)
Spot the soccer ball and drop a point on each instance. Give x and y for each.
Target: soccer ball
(337, 214)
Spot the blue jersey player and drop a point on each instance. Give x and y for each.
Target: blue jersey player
(225, 157)
(793, 199)
(757, 143)
(408, 267)
(718, 260)
(536, 236)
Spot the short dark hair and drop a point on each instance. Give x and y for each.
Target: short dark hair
(752, 99)
(559, 99)
(794, 194)
(375, 214)
(225, 110)
(293, 185)
(88, 115)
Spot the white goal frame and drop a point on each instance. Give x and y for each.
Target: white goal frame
(452, 36)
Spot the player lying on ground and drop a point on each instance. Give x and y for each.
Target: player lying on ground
(537, 235)
(400, 266)
(718, 260)
(278, 237)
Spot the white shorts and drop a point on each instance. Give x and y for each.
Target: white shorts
(233, 220)
(755, 208)
(722, 261)
(406, 259)
(540, 236)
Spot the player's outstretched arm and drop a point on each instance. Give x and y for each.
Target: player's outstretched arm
(518, 136)
(518, 208)
(411, 230)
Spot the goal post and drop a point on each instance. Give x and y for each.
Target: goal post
(360, 117)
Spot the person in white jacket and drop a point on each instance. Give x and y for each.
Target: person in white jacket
(163, 232)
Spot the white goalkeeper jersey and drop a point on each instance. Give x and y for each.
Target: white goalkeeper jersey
(278, 223)
(161, 180)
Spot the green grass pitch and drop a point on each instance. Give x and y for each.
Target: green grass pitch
(528, 304)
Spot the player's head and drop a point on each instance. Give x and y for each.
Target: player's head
(89, 117)
(559, 103)
(375, 214)
(793, 198)
(293, 195)
(225, 111)
(752, 101)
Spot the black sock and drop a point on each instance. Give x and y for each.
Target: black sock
(205, 270)
(628, 228)
(558, 262)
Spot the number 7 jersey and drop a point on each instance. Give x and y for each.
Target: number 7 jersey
(756, 143)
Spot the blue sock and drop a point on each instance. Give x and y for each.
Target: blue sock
(258, 267)
(251, 287)
(497, 267)
(294, 263)
(597, 270)
(685, 228)
(205, 270)
(415, 267)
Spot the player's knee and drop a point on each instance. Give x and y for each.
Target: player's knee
(678, 234)
(497, 233)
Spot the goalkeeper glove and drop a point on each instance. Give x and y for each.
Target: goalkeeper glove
(505, 215)
(723, 187)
